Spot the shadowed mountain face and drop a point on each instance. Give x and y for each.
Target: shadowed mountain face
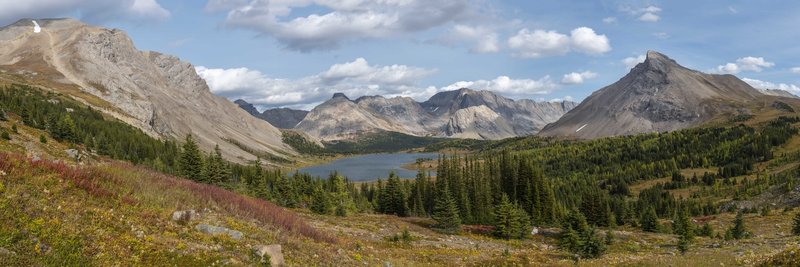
(657, 95)
(462, 113)
(283, 118)
(159, 94)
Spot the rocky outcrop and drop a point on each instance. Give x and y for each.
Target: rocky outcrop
(283, 118)
(159, 94)
(657, 95)
(217, 230)
(462, 113)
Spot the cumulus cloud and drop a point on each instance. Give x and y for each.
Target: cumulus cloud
(577, 77)
(631, 62)
(756, 64)
(340, 21)
(483, 39)
(540, 43)
(517, 88)
(646, 14)
(795, 70)
(90, 10)
(768, 85)
(355, 78)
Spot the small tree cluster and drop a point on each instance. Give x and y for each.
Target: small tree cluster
(578, 238)
(511, 221)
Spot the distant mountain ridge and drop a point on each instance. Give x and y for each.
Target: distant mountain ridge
(462, 113)
(655, 96)
(283, 118)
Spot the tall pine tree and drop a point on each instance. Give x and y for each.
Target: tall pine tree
(190, 163)
(445, 211)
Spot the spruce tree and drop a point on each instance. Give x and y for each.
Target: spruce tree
(445, 211)
(216, 169)
(511, 221)
(393, 198)
(649, 220)
(320, 201)
(738, 230)
(591, 245)
(190, 163)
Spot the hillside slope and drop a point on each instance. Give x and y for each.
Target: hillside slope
(157, 93)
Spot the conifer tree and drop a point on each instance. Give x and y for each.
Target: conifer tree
(320, 202)
(445, 212)
(190, 163)
(738, 230)
(511, 221)
(393, 198)
(649, 220)
(216, 169)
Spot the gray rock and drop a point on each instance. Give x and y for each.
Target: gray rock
(216, 230)
(73, 154)
(274, 252)
(185, 215)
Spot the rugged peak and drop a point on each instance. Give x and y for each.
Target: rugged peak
(657, 61)
(340, 95)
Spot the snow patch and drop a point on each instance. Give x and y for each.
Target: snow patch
(581, 128)
(36, 28)
(434, 110)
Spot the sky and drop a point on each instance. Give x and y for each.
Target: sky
(297, 53)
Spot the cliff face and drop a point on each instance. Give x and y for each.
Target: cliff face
(462, 113)
(159, 94)
(657, 95)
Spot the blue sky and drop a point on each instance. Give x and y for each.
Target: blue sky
(296, 53)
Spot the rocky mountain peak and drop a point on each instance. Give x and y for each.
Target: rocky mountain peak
(340, 95)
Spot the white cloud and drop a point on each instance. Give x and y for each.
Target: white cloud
(795, 70)
(649, 17)
(756, 64)
(577, 77)
(480, 39)
(508, 86)
(340, 21)
(90, 10)
(768, 85)
(585, 40)
(610, 20)
(631, 62)
(540, 43)
(646, 14)
(356, 78)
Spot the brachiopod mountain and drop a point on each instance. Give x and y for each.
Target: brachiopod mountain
(157, 93)
(462, 113)
(283, 118)
(657, 95)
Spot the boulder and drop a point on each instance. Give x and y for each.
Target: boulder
(274, 252)
(185, 215)
(216, 230)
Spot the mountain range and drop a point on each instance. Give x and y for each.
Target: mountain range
(462, 113)
(159, 94)
(659, 95)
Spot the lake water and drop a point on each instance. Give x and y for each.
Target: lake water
(370, 167)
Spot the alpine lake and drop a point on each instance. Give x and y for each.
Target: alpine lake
(370, 167)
